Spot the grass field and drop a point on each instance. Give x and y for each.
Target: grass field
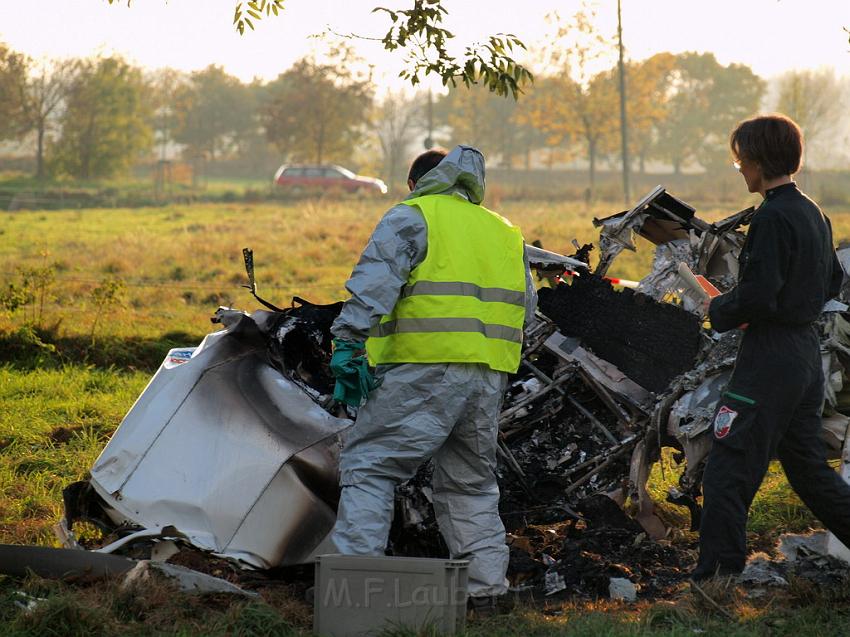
(91, 300)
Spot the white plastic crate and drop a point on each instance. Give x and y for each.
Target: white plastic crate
(360, 595)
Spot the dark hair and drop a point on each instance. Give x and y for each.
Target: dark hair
(774, 142)
(425, 162)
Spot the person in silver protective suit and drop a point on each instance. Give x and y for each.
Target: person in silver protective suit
(446, 411)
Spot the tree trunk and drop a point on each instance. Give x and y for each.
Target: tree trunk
(591, 155)
(86, 149)
(39, 157)
(320, 140)
(642, 160)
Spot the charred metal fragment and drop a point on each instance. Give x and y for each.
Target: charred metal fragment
(650, 342)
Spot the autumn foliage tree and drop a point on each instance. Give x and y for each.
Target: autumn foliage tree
(585, 100)
(649, 85)
(543, 111)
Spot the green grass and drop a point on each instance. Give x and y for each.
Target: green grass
(53, 424)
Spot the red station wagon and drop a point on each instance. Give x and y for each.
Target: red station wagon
(298, 178)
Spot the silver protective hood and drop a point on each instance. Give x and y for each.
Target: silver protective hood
(462, 170)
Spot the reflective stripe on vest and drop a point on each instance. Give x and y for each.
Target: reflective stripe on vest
(466, 301)
(400, 326)
(458, 288)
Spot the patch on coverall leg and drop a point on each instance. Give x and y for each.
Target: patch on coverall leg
(723, 421)
(734, 420)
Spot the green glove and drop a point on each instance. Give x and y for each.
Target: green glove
(354, 380)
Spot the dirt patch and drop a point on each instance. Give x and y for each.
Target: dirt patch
(578, 558)
(63, 435)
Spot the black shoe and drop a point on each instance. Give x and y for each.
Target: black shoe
(481, 607)
(488, 606)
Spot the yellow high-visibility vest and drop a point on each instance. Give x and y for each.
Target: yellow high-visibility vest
(465, 303)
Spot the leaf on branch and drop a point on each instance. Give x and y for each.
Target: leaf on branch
(419, 30)
(257, 9)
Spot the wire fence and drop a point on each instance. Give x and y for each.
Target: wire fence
(169, 284)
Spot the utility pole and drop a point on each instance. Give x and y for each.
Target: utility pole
(624, 131)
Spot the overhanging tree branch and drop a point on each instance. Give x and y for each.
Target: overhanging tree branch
(420, 33)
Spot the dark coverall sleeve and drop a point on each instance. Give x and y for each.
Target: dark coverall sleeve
(762, 276)
(837, 269)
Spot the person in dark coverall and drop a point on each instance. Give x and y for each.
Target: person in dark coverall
(772, 405)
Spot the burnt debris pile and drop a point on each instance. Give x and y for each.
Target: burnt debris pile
(299, 343)
(558, 449)
(649, 342)
(581, 557)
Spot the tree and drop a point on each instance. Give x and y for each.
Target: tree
(502, 129)
(13, 73)
(212, 111)
(105, 125)
(41, 98)
(33, 94)
(707, 99)
(813, 99)
(586, 103)
(164, 84)
(595, 109)
(252, 144)
(396, 122)
(542, 115)
(736, 93)
(649, 94)
(316, 110)
(418, 33)
(682, 131)
(464, 112)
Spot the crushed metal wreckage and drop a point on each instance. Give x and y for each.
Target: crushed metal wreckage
(233, 446)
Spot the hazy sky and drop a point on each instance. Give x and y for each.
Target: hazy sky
(769, 35)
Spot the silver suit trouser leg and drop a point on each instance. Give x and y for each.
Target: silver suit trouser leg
(448, 412)
(466, 495)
